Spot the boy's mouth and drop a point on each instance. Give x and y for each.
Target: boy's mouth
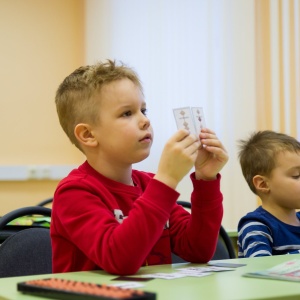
(147, 137)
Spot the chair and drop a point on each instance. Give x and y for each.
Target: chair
(26, 251)
(7, 230)
(224, 249)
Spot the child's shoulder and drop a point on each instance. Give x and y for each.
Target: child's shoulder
(78, 173)
(84, 175)
(259, 215)
(258, 212)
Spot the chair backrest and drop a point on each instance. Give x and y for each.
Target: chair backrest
(7, 230)
(224, 249)
(27, 252)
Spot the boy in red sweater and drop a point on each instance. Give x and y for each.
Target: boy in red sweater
(106, 215)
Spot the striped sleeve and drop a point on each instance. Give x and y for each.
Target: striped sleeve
(254, 239)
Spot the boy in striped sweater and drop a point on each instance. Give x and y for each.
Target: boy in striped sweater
(270, 163)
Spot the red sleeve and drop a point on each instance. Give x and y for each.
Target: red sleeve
(195, 235)
(92, 227)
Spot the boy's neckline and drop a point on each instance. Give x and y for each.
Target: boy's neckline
(291, 220)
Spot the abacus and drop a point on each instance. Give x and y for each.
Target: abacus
(57, 288)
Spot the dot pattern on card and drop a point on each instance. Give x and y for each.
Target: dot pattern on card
(190, 118)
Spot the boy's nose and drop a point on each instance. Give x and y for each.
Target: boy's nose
(145, 122)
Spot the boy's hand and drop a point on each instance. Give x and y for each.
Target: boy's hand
(177, 158)
(212, 156)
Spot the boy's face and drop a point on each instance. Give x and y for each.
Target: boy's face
(123, 132)
(284, 182)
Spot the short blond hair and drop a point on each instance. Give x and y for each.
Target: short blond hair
(74, 97)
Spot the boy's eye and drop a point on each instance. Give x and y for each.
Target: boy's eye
(296, 176)
(127, 113)
(144, 111)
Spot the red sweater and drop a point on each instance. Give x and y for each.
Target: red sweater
(88, 232)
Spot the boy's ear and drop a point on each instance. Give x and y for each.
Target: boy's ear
(83, 133)
(261, 183)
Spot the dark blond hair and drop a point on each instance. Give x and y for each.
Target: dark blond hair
(74, 98)
(258, 154)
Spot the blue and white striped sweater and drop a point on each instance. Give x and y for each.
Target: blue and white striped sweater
(261, 234)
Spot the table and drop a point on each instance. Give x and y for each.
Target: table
(223, 285)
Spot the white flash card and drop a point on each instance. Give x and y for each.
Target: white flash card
(198, 117)
(191, 119)
(165, 275)
(128, 285)
(184, 119)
